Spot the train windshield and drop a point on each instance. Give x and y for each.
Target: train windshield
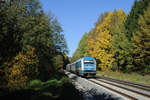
(88, 62)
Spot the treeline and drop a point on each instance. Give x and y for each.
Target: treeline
(120, 41)
(32, 53)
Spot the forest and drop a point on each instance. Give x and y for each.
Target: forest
(33, 49)
(33, 52)
(120, 41)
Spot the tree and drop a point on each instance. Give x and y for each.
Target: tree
(123, 49)
(132, 19)
(82, 49)
(45, 36)
(76, 55)
(22, 69)
(24, 25)
(102, 48)
(10, 31)
(141, 42)
(83, 45)
(121, 44)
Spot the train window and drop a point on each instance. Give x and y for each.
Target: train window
(88, 62)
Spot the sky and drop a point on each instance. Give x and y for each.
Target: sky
(79, 16)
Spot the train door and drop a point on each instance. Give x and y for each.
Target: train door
(78, 64)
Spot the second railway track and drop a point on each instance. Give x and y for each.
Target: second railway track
(133, 91)
(132, 84)
(114, 88)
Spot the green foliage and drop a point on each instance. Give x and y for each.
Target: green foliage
(59, 62)
(83, 45)
(26, 26)
(141, 42)
(127, 53)
(45, 90)
(131, 24)
(10, 30)
(75, 56)
(123, 48)
(120, 41)
(101, 47)
(35, 84)
(82, 49)
(51, 88)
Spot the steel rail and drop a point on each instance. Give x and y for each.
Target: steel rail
(126, 88)
(115, 83)
(123, 94)
(132, 84)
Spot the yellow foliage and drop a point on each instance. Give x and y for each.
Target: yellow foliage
(21, 69)
(104, 50)
(101, 48)
(91, 44)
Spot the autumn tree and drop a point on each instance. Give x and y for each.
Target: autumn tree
(22, 69)
(124, 31)
(92, 35)
(24, 25)
(141, 42)
(102, 48)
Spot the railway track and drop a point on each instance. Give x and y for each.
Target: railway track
(136, 85)
(124, 89)
(130, 90)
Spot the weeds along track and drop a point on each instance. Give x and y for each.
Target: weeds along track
(133, 91)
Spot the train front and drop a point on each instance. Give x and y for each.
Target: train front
(89, 66)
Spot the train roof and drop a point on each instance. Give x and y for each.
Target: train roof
(84, 58)
(88, 58)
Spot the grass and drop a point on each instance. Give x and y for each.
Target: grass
(133, 77)
(54, 89)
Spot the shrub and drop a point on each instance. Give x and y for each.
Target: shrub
(21, 69)
(55, 90)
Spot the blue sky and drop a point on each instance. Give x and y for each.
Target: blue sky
(79, 16)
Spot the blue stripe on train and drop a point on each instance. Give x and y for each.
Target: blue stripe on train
(89, 68)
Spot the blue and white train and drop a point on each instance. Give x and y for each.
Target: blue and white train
(85, 66)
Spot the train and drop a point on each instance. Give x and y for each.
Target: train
(85, 66)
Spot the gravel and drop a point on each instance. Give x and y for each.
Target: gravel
(93, 91)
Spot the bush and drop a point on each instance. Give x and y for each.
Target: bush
(55, 89)
(21, 69)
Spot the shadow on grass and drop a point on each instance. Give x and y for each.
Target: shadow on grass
(68, 93)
